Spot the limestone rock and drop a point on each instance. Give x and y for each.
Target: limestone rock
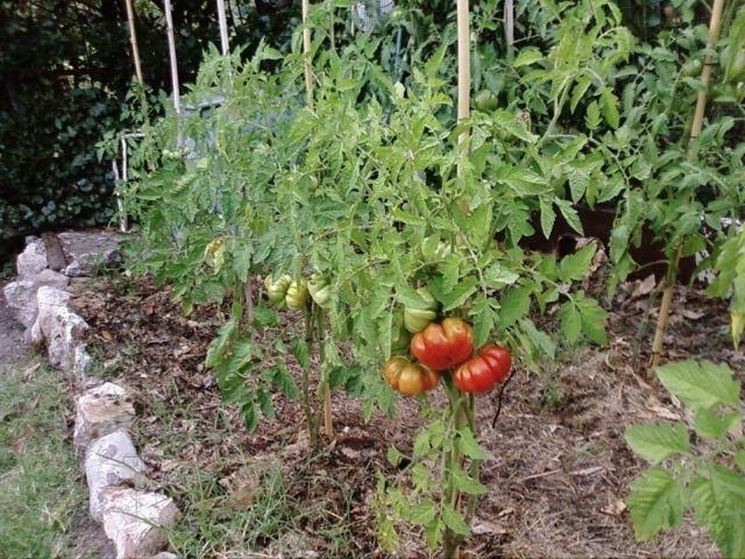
(21, 294)
(111, 461)
(101, 411)
(61, 329)
(134, 520)
(32, 260)
(20, 297)
(88, 250)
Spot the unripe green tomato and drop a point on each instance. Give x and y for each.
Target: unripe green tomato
(486, 100)
(276, 290)
(320, 290)
(692, 68)
(297, 295)
(417, 319)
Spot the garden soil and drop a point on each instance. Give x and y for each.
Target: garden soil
(557, 470)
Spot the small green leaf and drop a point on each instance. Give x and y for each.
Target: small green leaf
(248, 412)
(540, 339)
(466, 484)
(394, 456)
(282, 380)
(658, 441)
(575, 266)
(506, 121)
(701, 384)
(454, 520)
(459, 294)
(527, 56)
(571, 322)
(468, 444)
(421, 444)
(609, 105)
(593, 320)
(515, 305)
(709, 425)
(548, 217)
(300, 350)
(422, 513)
(719, 504)
(592, 116)
(655, 502)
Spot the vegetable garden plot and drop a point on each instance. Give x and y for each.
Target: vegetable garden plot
(557, 469)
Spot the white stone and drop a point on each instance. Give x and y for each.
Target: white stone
(165, 555)
(87, 251)
(111, 461)
(33, 259)
(56, 325)
(20, 297)
(101, 411)
(82, 362)
(135, 521)
(21, 294)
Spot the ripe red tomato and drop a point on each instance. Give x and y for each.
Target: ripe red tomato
(409, 378)
(443, 346)
(482, 373)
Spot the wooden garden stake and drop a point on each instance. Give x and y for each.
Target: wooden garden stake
(464, 77)
(133, 40)
(223, 27)
(324, 388)
(172, 57)
(306, 52)
(715, 27)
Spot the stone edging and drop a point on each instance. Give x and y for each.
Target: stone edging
(131, 517)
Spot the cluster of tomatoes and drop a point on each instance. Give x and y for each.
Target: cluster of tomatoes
(283, 291)
(441, 347)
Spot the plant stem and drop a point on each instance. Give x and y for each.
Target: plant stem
(305, 396)
(324, 388)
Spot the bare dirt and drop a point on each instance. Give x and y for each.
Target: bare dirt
(558, 468)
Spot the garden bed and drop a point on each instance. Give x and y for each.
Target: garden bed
(557, 470)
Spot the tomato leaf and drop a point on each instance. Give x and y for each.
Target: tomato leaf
(468, 444)
(466, 484)
(700, 384)
(454, 520)
(657, 441)
(458, 295)
(655, 502)
(514, 305)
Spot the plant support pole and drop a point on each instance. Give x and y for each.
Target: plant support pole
(172, 57)
(223, 27)
(464, 77)
(133, 40)
(306, 54)
(715, 27)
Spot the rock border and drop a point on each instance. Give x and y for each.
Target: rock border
(132, 517)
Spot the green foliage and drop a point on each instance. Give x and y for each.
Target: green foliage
(730, 281)
(700, 477)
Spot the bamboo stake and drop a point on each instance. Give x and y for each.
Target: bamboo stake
(172, 58)
(133, 40)
(223, 26)
(715, 27)
(306, 52)
(464, 77)
(509, 27)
